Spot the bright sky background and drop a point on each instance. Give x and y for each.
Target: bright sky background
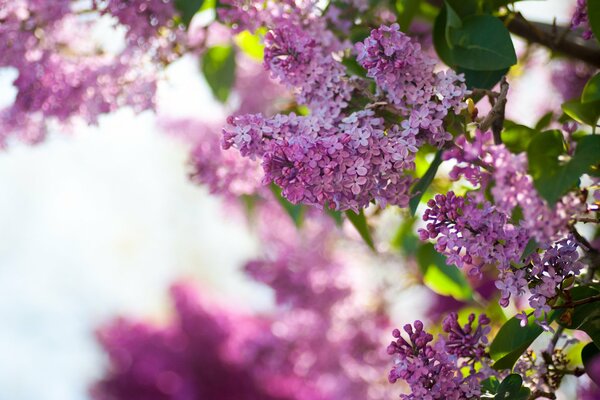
(99, 222)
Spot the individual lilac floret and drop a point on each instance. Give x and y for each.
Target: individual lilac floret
(405, 73)
(580, 18)
(472, 234)
(431, 371)
(344, 167)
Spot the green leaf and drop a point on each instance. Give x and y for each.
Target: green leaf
(250, 44)
(464, 8)
(483, 44)
(405, 238)
(511, 341)
(544, 121)
(591, 91)
(218, 66)
(553, 183)
(440, 277)
(530, 247)
(452, 21)
(593, 12)
(421, 186)
(187, 9)
(490, 385)
(589, 353)
(543, 151)
(295, 211)
(512, 388)
(360, 223)
(584, 113)
(439, 39)
(353, 67)
(585, 317)
(517, 137)
(405, 12)
(482, 79)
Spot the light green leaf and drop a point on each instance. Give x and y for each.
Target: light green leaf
(584, 113)
(421, 186)
(440, 277)
(591, 91)
(218, 66)
(250, 44)
(295, 211)
(360, 223)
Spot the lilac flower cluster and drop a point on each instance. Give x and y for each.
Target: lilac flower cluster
(467, 342)
(405, 73)
(471, 233)
(299, 54)
(63, 76)
(344, 166)
(549, 272)
(187, 359)
(480, 162)
(434, 371)
(580, 19)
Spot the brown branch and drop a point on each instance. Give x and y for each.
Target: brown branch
(495, 118)
(573, 304)
(558, 39)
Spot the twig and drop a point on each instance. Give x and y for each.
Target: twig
(495, 118)
(573, 304)
(559, 39)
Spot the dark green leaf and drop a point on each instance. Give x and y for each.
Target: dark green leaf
(530, 247)
(483, 43)
(516, 137)
(585, 113)
(554, 183)
(464, 8)
(511, 389)
(187, 9)
(490, 385)
(452, 22)
(482, 79)
(295, 211)
(589, 353)
(591, 91)
(218, 66)
(360, 223)
(440, 277)
(353, 67)
(593, 12)
(421, 186)
(359, 33)
(543, 151)
(439, 39)
(511, 341)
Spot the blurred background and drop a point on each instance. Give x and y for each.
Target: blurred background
(100, 221)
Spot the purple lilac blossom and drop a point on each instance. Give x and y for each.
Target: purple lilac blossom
(480, 162)
(580, 19)
(343, 167)
(406, 74)
(433, 371)
(569, 78)
(472, 234)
